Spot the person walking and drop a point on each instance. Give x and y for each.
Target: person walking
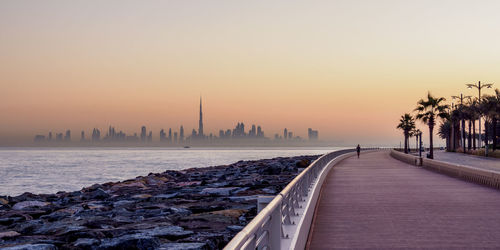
(358, 149)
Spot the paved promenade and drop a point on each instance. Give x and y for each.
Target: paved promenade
(468, 160)
(379, 202)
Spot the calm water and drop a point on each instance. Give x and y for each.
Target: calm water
(49, 170)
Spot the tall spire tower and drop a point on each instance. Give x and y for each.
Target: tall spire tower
(200, 125)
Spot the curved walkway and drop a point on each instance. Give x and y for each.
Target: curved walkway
(379, 202)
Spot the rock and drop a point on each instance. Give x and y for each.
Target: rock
(9, 234)
(269, 190)
(165, 196)
(218, 191)
(188, 183)
(242, 198)
(97, 194)
(128, 184)
(183, 246)
(170, 232)
(3, 201)
(235, 213)
(57, 228)
(180, 211)
(97, 206)
(141, 196)
(123, 203)
(234, 228)
(134, 241)
(28, 227)
(86, 243)
(29, 204)
(32, 247)
(304, 163)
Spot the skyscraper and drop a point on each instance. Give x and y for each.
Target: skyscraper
(143, 133)
(200, 125)
(181, 138)
(67, 137)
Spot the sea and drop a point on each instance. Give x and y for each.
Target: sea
(49, 170)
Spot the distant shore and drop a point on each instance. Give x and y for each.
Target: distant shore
(198, 208)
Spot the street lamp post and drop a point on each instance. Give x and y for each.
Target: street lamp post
(461, 97)
(479, 86)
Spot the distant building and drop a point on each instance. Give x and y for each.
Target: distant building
(181, 138)
(169, 135)
(239, 130)
(50, 136)
(260, 133)
(253, 131)
(200, 124)
(175, 137)
(163, 136)
(285, 133)
(39, 138)
(96, 135)
(150, 136)
(82, 138)
(312, 134)
(290, 135)
(67, 137)
(143, 133)
(59, 137)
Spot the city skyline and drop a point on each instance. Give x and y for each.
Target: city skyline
(237, 135)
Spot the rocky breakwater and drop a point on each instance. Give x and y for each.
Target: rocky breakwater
(199, 208)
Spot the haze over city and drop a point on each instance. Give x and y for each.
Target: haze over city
(346, 68)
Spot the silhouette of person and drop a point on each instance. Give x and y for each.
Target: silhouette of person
(358, 149)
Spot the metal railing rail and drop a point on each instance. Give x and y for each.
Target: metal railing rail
(277, 226)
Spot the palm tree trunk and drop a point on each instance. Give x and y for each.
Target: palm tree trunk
(470, 135)
(431, 144)
(463, 135)
(406, 143)
(452, 136)
(494, 133)
(474, 133)
(485, 137)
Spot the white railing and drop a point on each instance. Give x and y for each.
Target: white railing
(285, 222)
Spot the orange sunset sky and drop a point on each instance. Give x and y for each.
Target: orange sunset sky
(347, 68)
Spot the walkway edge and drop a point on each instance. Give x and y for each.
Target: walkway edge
(467, 173)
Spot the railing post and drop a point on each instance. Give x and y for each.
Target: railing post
(275, 229)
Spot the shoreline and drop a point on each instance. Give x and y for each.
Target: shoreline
(196, 208)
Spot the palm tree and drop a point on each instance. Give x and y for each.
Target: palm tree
(444, 133)
(407, 124)
(490, 108)
(416, 133)
(468, 113)
(474, 115)
(455, 128)
(428, 111)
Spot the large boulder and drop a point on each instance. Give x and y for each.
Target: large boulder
(219, 191)
(29, 204)
(134, 241)
(32, 247)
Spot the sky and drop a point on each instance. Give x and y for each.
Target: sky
(347, 68)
